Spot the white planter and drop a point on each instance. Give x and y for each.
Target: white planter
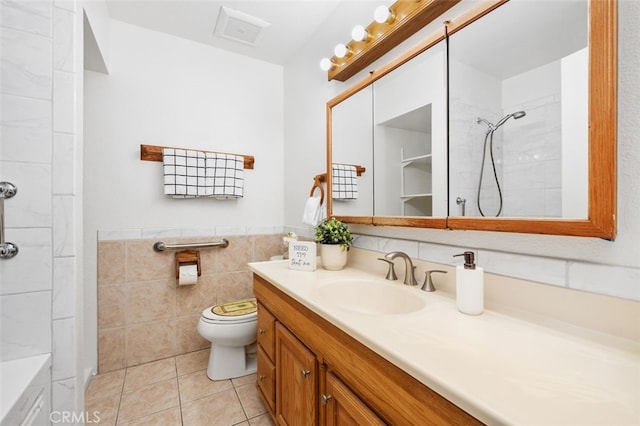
(333, 257)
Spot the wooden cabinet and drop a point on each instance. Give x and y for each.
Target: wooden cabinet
(296, 381)
(324, 376)
(343, 407)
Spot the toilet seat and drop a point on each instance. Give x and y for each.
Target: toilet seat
(236, 312)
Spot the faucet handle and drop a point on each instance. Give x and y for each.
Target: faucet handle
(391, 272)
(428, 281)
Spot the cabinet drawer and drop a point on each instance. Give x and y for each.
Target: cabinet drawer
(266, 331)
(266, 379)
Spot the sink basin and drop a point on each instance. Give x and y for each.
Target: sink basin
(370, 297)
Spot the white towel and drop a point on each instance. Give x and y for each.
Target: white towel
(184, 173)
(313, 212)
(225, 175)
(344, 182)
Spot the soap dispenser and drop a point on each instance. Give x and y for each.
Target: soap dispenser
(469, 286)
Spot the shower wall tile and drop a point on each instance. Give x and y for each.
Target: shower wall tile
(63, 164)
(29, 16)
(69, 5)
(19, 274)
(64, 239)
(64, 271)
(63, 396)
(63, 366)
(63, 39)
(31, 207)
(26, 67)
(26, 325)
(64, 113)
(26, 129)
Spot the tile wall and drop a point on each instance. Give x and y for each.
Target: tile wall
(144, 315)
(39, 76)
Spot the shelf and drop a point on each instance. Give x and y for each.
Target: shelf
(417, 158)
(410, 196)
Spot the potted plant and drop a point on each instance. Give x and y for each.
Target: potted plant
(334, 238)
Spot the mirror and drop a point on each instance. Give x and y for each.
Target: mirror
(518, 97)
(575, 185)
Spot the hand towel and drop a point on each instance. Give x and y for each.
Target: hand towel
(344, 182)
(225, 175)
(184, 173)
(313, 212)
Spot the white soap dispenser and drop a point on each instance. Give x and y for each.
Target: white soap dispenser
(469, 286)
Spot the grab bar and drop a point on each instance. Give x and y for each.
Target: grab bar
(7, 249)
(162, 246)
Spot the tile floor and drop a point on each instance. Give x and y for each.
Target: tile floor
(175, 391)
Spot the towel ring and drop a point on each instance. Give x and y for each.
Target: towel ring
(317, 184)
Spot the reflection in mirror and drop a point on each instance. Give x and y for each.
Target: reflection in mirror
(410, 137)
(352, 143)
(518, 111)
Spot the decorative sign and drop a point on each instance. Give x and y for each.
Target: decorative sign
(302, 255)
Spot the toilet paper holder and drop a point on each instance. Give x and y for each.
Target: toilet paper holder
(187, 257)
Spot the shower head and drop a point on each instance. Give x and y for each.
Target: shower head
(516, 115)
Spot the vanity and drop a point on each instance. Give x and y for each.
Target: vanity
(349, 347)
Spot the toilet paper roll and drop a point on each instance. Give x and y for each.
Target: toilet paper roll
(188, 275)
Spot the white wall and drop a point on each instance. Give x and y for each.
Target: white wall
(588, 264)
(41, 102)
(163, 90)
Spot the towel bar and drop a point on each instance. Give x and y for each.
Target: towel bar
(162, 246)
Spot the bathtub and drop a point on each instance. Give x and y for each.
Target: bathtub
(25, 391)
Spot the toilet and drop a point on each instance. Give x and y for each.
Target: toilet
(231, 329)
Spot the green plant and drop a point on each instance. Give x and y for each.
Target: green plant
(332, 231)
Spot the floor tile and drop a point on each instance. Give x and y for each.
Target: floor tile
(197, 385)
(148, 400)
(170, 417)
(222, 408)
(244, 380)
(250, 400)
(152, 372)
(104, 407)
(105, 384)
(194, 361)
(263, 420)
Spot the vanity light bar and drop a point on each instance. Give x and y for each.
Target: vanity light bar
(391, 26)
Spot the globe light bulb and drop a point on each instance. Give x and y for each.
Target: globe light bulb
(359, 33)
(382, 14)
(340, 51)
(326, 64)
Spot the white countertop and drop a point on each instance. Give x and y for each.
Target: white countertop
(500, 369)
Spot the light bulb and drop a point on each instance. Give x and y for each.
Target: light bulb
(326, 64)
(340, 51)
(382, 14)
(359, 33)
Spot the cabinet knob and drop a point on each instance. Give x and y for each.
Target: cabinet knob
(261, 377)
(305, 373)
(326, 398)
(261, 331)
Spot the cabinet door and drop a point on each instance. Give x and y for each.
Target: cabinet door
(266, 379)
(266, 324)
(343, 407)
(296, 381)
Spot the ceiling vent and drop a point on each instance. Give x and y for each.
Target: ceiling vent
(238, 26)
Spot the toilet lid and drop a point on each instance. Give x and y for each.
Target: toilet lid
(236, 311)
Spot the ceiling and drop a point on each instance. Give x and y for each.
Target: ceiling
(293, 22)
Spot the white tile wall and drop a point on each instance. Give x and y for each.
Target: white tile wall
(38, 80)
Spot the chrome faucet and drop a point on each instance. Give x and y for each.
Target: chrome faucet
(409, 277)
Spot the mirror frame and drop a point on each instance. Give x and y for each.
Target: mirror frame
(603, 79)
